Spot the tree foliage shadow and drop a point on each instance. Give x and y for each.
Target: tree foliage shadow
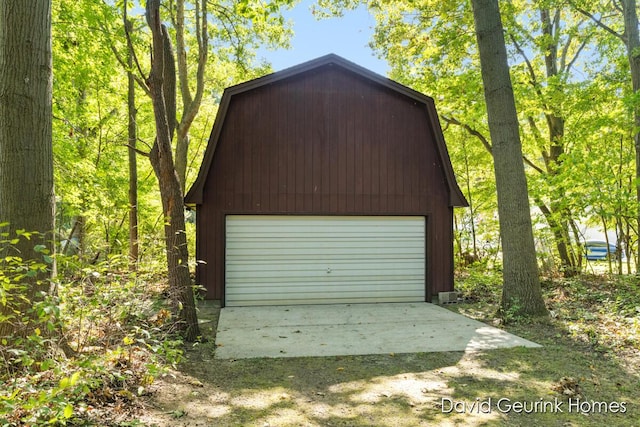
(375, 389)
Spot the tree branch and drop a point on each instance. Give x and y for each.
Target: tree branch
(601, 24)
(122, 62)
(127, 32)
(575, 57)
(532, 73)
(137, 150)
(191, 106)
(533, 165)
(471, 131)
(564, 66)
(181, 53)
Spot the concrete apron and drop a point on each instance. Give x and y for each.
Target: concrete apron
(352, 329)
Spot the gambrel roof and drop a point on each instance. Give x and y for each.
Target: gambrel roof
(195, 194)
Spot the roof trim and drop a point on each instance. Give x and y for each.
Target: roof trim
(195, 194)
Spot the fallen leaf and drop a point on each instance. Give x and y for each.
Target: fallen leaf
(195, 382)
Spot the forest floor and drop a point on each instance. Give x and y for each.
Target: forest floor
(586, 374)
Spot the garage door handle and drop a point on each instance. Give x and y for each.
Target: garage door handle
(328, 270)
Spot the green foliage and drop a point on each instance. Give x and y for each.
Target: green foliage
(479, 283)
(18, 313)
(90, 109)
(116, 333)
(89, 131)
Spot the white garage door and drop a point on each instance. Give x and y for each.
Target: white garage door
(279, 260)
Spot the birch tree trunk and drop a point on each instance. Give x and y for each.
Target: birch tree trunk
(521, 293)
(26, 159)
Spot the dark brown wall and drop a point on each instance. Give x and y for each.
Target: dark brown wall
(325, 142)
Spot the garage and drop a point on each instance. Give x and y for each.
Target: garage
(283, 260)
(324, 183)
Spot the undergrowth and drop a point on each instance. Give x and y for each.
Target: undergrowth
(602, 311)
(90, 348)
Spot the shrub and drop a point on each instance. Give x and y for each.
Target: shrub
(110, 320)
(479, 283)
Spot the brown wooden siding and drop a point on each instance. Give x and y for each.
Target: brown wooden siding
(325, 142)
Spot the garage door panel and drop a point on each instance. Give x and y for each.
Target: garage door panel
(335, 243)
(337, 293)
(297, 260)
(336, 286)
(336, 272)
(320, 268)
(267, 252)
(315, 298)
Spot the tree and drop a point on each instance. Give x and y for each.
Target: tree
(162, 84)
(236, 28)
(561, 42)
(89, 134)
(132, 135)
(431, 48)
(630, 37)
(521, 294)
(26, 160)
(190, 102)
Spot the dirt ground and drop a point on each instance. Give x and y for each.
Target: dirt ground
(565, 383)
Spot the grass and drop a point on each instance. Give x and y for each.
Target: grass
(124, 345)
(589, 355)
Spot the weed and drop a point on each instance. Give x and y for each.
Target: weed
(477, 283)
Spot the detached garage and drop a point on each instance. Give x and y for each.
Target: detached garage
(324, 183)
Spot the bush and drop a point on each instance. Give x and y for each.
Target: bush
(479, 283)
(97, 343)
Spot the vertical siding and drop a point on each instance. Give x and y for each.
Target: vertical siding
(325, 142)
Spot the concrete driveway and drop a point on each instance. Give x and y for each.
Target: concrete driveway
(352, 329)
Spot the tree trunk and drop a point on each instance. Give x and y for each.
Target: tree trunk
(161, 83)
(568, 260)
(182, 151)
(632, 40)
(559, 217)
(26, 160)
(521, 293)
(133, 166)
(190, 102)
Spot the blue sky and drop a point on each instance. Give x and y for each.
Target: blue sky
(347, 36)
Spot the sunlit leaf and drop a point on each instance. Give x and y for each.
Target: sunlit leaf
(68, 411)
